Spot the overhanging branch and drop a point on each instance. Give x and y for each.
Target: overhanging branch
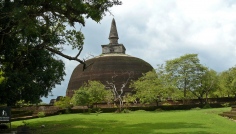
(68, 57)
(85, 66)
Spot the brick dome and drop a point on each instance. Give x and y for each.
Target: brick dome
(108, 68)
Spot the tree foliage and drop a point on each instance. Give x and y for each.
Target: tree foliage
(183, 78)
(146, 87)
(1, 77)
(154, 86)
(210, 81)
(63, 102)
(186, 72)
(32, 34)
(90, 93)
(207, 84)
(227, 83)
(30, 81)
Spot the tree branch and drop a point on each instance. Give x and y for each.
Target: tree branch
(65, 56)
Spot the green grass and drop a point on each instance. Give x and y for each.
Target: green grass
(204, 121)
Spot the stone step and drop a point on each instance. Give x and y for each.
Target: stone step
(228, 114)
(233, 109)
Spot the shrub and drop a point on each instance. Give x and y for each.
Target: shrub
(225, 104)
(158, 110)
(98, 111)
(25, 123)
(64, 102)
(140, 111)
(67, 111)
(41, 114)
(126, 111)
(206, 106)
(196, 108)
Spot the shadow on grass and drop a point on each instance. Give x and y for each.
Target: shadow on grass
(91, 126)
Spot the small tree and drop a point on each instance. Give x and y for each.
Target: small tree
(90, 93)
(155, 86)
(208, 83)
(129, 99)
(228, 83)
(146, 88)
(118, 93)
(186, 72)
(63, 102)
(80, 97)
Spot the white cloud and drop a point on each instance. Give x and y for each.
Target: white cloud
(159, 30)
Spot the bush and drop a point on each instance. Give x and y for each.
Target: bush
(41, 114)
(225, 104)
(98, 111)
(206, 106)
(158, 110)
(196, 108)
(67, 111)
(126, 111)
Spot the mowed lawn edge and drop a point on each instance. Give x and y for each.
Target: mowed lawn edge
(201, 121)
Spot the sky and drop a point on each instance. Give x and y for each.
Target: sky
(161, 30)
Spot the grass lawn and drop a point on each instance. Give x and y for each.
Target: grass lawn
(203, 121)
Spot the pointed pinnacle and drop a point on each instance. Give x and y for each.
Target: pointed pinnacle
(113, 36)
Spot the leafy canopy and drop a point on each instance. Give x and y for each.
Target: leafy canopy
(186, 72)
(32, 34)
(228, 82)
(90, 93)
(154, 86)
(63, 102)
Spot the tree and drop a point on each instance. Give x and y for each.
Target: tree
(63, 102)
(32, 34)
(208, 83)
(90, 93)
(228, 82)
(118, 90)
(81, 97)
(1, 77)
(146, 88)
(154, 86)
(186, 71)
(30, 80)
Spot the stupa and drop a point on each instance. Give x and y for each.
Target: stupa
(113, 65)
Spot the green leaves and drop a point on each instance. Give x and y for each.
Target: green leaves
(185, 71)
(154, 86)
(228, 82)
(90, 93)
(32, 32)
(64, 102)
(74, 38)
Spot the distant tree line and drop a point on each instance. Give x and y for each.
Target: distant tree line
(185, 78)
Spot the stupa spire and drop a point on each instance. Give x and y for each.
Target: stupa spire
(113, 36)
(113, 46)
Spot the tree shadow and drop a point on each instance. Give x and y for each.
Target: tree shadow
(169, 128)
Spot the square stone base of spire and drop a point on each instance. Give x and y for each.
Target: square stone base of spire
(113, 48)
